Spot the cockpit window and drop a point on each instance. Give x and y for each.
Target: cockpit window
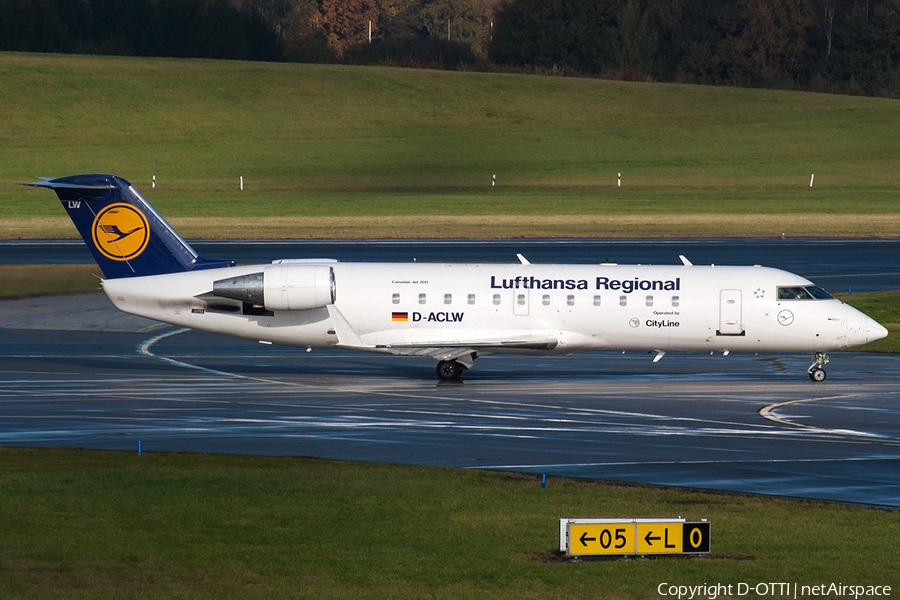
(793, 293)
(818, 293)
(803, 293)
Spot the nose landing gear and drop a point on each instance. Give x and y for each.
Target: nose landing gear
(816, 370)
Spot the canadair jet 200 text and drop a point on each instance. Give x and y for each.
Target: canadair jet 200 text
(453, 313)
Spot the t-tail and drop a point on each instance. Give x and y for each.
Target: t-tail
(126, 235)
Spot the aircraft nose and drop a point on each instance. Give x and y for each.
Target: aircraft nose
(874, 330)
(862, 329)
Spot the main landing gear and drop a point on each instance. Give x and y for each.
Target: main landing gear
(452, 368)
(449, 369)
(816, 370)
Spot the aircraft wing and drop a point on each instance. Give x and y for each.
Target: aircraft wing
(442, 350)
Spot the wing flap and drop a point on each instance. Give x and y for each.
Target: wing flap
(443, 350)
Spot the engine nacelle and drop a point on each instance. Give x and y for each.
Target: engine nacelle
(282, 287)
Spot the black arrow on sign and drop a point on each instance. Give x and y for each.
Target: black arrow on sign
(647, 538)
(584, 540)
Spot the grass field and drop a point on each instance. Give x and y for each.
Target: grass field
(17, 281)
(341, 151)
(89, 524)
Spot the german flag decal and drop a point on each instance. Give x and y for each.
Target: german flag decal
(399, 316)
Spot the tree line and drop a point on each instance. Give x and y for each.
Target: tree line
(843, 46)
(846, 46)
(171, 28)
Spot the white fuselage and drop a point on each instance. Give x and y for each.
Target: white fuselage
(449, 310)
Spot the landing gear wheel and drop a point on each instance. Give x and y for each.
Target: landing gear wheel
(817, 375)
(449, 369)
(816, 370)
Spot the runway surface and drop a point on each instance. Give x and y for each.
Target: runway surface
(74, 372)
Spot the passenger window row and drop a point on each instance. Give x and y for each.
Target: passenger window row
(546, 300)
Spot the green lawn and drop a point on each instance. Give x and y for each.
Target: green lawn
(325, 149)
(89, 524)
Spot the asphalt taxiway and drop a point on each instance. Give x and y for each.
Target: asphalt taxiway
(74, 372)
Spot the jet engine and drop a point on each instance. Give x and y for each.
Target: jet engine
(282, 287)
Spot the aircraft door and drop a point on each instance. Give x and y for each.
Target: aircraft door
(521, 300)
(730, 313)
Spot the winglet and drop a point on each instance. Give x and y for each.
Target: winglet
(125, 234)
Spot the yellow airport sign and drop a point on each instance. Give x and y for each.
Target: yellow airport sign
(597, 537)
(601, 538)
(659, 538)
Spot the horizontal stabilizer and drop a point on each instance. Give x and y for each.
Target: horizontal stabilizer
(59, 184)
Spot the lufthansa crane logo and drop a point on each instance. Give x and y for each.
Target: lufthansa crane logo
(121, 232)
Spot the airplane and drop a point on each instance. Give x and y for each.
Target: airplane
(453, 313)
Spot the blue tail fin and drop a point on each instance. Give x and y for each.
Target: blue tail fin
(127, 237)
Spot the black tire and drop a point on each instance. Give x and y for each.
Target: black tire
(817, 375)
(449, 369)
